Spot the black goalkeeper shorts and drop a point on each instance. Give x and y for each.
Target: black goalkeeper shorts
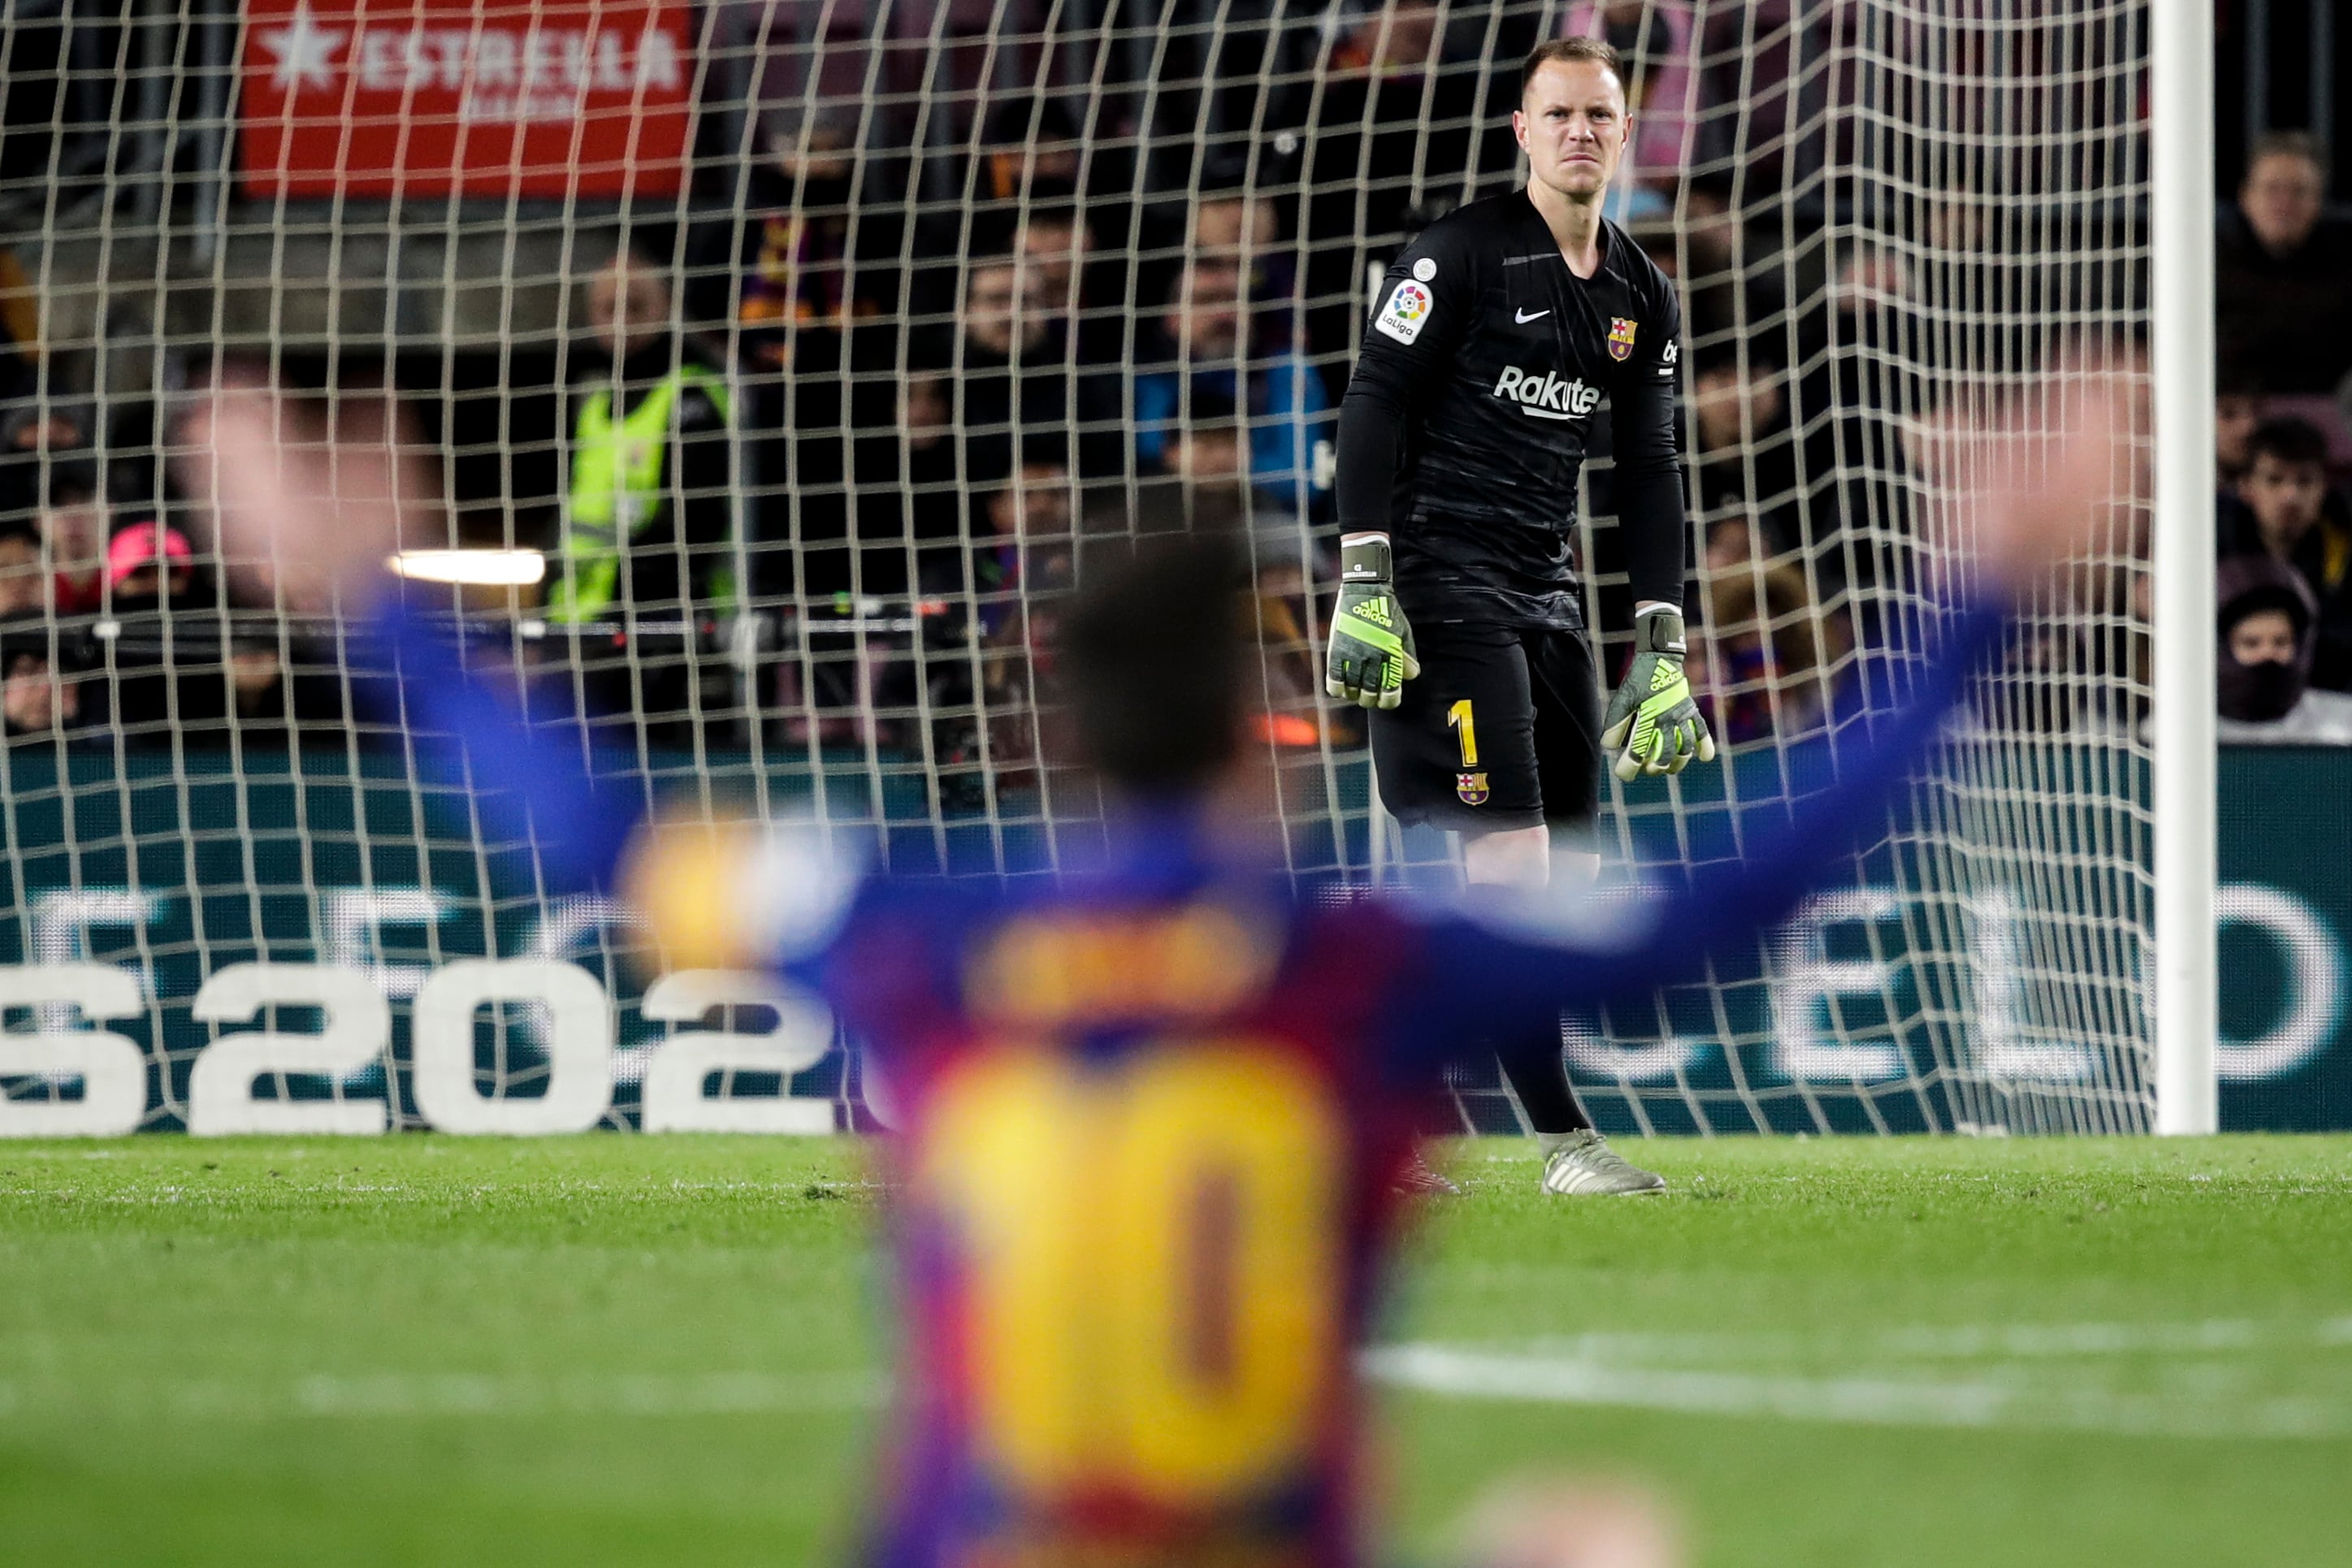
(1501, 728)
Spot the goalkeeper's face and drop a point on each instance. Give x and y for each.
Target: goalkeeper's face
(1571, 124)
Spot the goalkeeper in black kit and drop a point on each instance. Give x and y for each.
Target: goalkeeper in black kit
(1492, 340)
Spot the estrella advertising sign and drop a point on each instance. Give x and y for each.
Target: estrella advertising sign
(423, 98)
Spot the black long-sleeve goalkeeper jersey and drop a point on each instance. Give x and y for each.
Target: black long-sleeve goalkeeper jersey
(1468, 416)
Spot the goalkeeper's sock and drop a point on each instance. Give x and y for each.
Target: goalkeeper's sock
(1539, 1078)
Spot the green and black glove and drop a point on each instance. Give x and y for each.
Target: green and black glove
(1652, 724)
(1371, 653)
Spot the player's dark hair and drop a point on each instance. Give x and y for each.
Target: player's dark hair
(2300, 144)
(1596, 51)
(2289, 440)
(1053, 212)
(1149, 662)
(73, 480)
(37, 634)
(1750, 361)
(1216, 420)
(992, 259)
(2234, 379)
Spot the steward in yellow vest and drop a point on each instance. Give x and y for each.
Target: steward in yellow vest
(649, 519)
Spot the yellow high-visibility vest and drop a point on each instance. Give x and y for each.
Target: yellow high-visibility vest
(616, 489)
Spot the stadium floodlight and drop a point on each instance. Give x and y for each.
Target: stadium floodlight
(475, 568)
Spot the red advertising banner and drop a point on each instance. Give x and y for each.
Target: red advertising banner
(421, 98)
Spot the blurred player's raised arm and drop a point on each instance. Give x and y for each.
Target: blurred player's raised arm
(311, 510)
(309, 505)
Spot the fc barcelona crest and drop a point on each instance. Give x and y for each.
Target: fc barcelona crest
(1620, 336)
(1471, 787)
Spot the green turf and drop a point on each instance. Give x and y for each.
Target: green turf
(618, 1350)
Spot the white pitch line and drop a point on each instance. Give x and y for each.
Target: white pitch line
(1960, 1341)
(1462, 1373)
(635, 1393)
(411, 1394)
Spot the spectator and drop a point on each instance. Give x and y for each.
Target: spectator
(1778, 70)
(73, 529)
(1208, 456)
(36, 697)
(1054, 240)
(1037, 180)
(2284, 509)
(2237, 410)
(1057, 244)
(1233, 225)
(1214, 369)
(1652, 37)
(1860, 405)
(23, 587)
(1727, 543)
(1005, 356)
(2284, 306)
(2268, 623)
(36, 432)
(1017, 569)
(1768, 671)
(1399, 133)
(167, 672)
(1294, 710)
(1202, 487)
(1027, 549)
(802, 279)
(648, 523)
(1032, 148)
(1744, 451)
(135, 581)
(1016, 378)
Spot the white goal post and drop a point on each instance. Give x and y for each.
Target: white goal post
(2180, 265)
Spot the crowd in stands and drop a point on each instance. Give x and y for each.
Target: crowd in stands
(924, 377)
(2283, 433)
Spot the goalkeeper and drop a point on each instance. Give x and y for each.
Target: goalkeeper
(1153, 1111)
(1460, 621)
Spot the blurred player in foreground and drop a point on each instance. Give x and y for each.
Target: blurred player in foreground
(1151, 1112)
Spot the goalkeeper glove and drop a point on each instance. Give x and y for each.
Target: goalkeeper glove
(1371, 653)
(1652, 724)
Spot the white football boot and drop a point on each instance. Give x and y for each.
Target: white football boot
(1582, 1165)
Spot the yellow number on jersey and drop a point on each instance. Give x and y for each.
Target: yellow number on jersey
(1151, 1253)
(1459, 716)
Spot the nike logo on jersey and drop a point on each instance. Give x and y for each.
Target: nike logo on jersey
(1547, 396)
(1524, 317)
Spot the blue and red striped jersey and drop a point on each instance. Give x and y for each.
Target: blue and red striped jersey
(1150, 1121)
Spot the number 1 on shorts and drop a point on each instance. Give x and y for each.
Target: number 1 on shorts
(1458, 716)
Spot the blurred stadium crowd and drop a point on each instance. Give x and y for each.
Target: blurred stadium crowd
(946, 325)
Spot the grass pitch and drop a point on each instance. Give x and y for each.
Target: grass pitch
(618, 1350)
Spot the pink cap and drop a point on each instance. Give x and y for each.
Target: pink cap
(135, 546)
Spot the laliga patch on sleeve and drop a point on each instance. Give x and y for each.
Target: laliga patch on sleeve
(1403, 316)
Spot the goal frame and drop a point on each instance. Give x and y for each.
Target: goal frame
(2181, 350)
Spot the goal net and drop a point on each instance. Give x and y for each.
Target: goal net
(779, 360)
